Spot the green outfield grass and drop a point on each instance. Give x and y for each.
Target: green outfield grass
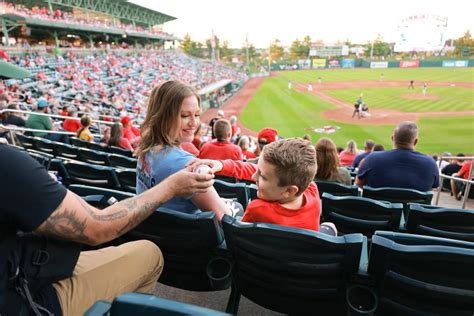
(450, 98)
(399, 74)
(291, 112)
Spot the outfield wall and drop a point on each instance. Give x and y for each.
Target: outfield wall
(338, 63)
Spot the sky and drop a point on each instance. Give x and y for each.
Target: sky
(266, 20)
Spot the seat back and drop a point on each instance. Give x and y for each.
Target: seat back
(354, 214)
(398, 195)
(25, 141)
(442, 222)
(188, 243)
(147, 305)
(99, 197)
(66, 151)
(78, 142)
(291, 270)
(43, 158)
(236, 191)
(94, 157)
(336, 188)
(127, 179)
(119, 161)
(43, 145)
(422, 275)
(93, 175)
(121, 151)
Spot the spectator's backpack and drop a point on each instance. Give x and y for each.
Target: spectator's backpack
(29, 262)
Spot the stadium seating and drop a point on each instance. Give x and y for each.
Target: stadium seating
(25, 141)
(121, 151)
(43, 158)
(99, 197)
(94, 157)
(290, 270)
(66, 151)
(398, 195)
(44, 145)
(235, 191)
(127, 179)
(422, 275)
(441, 222)
(353, 214)
(120, 161)
(99, 176)
(147, 305)
(336, 188)
(189, 243)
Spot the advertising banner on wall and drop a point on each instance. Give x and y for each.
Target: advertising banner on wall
(334, 63)
(319, 63)
(409, 64)
(347, 63)
(455, 63)
(379, 64)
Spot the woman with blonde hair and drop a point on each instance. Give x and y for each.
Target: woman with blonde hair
(347, 156)
(173, 115)
(84, 132)
(328, 163)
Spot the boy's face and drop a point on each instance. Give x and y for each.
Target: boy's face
(267, 182)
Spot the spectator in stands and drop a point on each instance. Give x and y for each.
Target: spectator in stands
(401, 167)
(368, 148)
(13, 118)
(117, 139)
(347, 156)
(84, 132)
(130, 132)
(328, 163)
(378, 147)
(244, 144)
(220, 115)
(104, 141)
(284, 176)
(222, 148)
(174, 109)
(72, 125)
(441, 163)
(307, 137)
(452, 168)
(33, 202)
(266, 136)
(42, 122)
(235, 128)
(457, 187)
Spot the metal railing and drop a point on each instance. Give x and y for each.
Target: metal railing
(469, 181)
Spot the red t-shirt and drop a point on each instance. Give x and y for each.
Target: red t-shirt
(220, 151)
(248, 154)
(262, 211)
(128, 134)
(125, 144)
(465, 168)
(71, 125)
(346, 159)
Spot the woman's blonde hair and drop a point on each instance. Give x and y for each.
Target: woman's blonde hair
(162, 115)
(327, 158)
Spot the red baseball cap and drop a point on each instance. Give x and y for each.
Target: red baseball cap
(125, 120)
(267, 136)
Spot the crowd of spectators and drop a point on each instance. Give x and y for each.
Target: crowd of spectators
(42, 13)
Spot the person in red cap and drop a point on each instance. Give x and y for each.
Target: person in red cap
(130, 132)
(265, 136)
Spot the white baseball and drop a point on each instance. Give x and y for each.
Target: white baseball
(202, 169)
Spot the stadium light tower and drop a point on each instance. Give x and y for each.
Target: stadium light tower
(247, 51)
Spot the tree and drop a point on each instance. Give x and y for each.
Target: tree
(186, 44)
(276, 50)
(225, 51)
(464, 45)
(295, 50)
(380, 48)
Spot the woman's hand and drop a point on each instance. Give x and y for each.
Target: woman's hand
(186, 182)
(215, 165)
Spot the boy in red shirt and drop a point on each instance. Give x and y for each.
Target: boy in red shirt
(222, 148)
(284, 175)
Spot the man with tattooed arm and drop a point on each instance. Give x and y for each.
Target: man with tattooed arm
(31, 201)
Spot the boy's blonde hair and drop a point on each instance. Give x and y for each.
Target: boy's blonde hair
(294, 160)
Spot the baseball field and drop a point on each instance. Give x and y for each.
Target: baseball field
(445, 114)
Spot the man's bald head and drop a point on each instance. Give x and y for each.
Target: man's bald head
(405, 135)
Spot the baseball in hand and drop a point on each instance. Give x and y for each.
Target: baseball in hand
(202, 169)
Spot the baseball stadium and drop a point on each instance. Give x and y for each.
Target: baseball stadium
(147, 172)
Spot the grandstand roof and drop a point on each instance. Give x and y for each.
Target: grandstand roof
(121, 9)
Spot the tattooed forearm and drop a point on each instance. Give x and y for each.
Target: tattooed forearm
(102, 217)
(138, 214)
(66, 224)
